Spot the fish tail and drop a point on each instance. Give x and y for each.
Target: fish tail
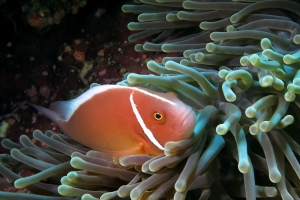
(55, 117)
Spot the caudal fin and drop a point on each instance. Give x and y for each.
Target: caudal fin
(54, 116)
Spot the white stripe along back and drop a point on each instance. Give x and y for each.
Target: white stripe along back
(155, 96)
(67, 108)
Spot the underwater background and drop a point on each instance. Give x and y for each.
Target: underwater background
(235, 62)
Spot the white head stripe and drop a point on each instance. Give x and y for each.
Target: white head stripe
(155, 96)
(148, 133)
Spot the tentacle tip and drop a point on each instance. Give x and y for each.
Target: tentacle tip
(151, 63)
(254, 59)
(254, 129)
(244, 61)
(266, 81)
(291, 87)
(288, 59)
(265, 43)
(76, 162)
(221, 129)
(180, 186)
(131, 26)
(122, 162)
(168, 64)
(296, 39)
(135, 194)
(234, 18)
(223, 73)
(36, 133)
(169, 146)
(88, 197)
(230, 28)
(107, 196)
(124, 8)
(132, 78)
(210, 47)
(123, 192)
(154, 168)
(244, 167)
(289, 96)
(230, 97)
(200, 56)
(63, 190)
(267, 51)
(72, 176)
(296, 81)
(275, 176)
(265, 126)
(145, 169)
(287, 120)
(20, 183)
(250, 112)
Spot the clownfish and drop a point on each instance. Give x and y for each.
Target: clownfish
(122, 120)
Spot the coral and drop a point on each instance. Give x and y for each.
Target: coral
(45, 91)
(79, 56)
(3, 128)
(86, 68)
(36, 21)
(44, 14)
(238, 67)
(100, 12)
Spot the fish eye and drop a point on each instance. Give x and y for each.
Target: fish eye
(159, 116)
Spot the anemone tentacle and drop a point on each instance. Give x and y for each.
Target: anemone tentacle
(238, 67)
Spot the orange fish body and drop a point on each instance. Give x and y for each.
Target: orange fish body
(123, 120)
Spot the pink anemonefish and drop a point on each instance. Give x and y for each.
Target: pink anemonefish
(122, 120)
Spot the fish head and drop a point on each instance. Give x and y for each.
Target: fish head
(165, 117)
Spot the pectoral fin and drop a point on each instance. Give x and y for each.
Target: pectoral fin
(117, 155)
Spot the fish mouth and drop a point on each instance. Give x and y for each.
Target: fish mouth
(187, 124)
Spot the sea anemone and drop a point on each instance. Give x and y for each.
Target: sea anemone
(238, 67)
